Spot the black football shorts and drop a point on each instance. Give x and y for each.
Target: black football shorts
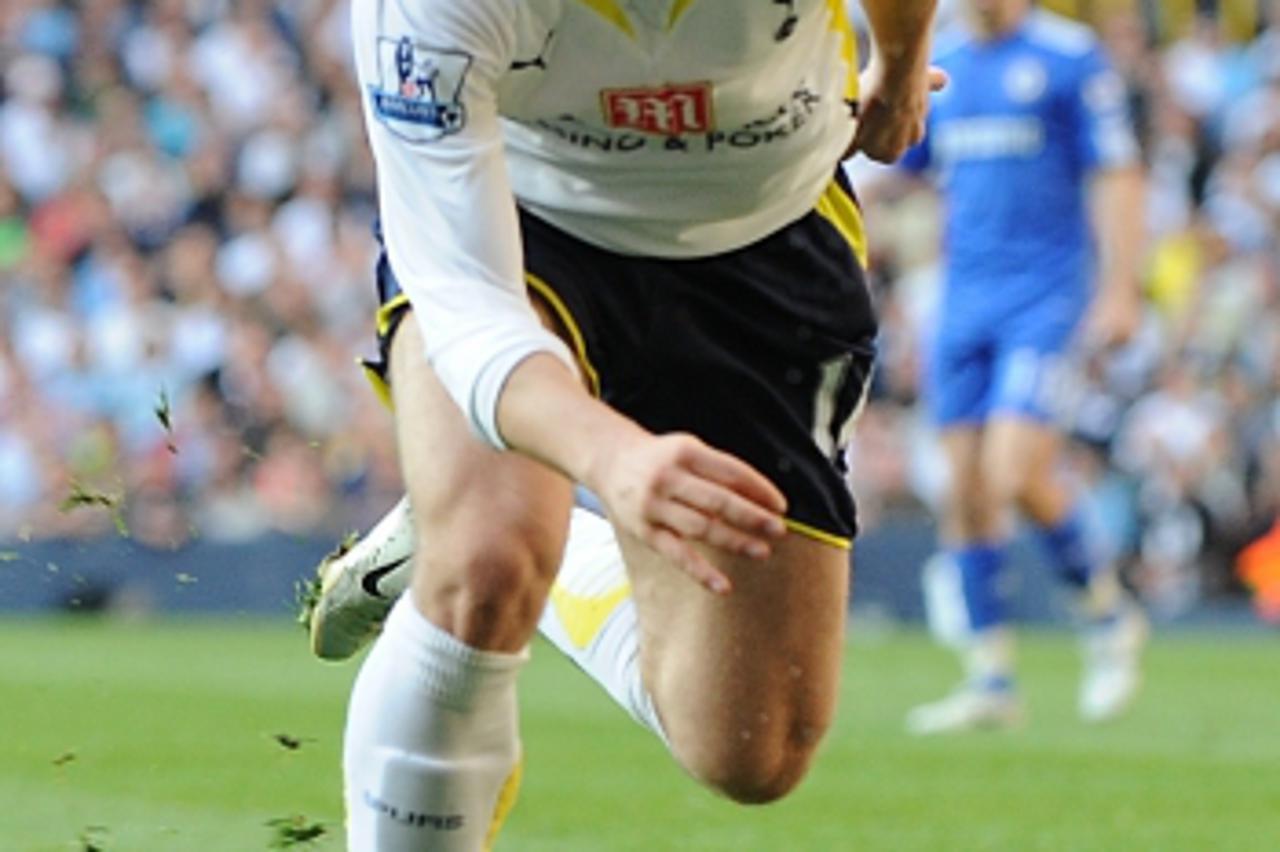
(764, 352)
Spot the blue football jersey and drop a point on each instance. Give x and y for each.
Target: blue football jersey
(1012, 141)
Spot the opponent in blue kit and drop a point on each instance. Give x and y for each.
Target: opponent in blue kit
(1036, 161)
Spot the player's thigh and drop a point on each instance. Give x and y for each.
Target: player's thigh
(1033, 374)
(970, 510)
(1020, 456)
(746, 684)
(495, 522)
(962, 448)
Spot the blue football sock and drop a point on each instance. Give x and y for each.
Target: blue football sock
(1073, 548)
(980, 565)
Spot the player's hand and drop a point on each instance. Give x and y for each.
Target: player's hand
(1114, 317)
(892, 110)
(673, 492)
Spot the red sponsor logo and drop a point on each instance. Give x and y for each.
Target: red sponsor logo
(669, 110)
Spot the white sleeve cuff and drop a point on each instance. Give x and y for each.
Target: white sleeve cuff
(475, 336)
(489, 384)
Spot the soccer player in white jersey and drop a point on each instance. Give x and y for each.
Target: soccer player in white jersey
(624, 261)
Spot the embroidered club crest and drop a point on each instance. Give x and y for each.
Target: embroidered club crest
(1025, 81)
(418, 96)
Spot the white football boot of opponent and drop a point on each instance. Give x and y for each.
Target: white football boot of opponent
(986, 700)
(968, 708)
(1113, 636)
(1112, 656)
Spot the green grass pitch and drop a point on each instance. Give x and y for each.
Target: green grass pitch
(193, 736)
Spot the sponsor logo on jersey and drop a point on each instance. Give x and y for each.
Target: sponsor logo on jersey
(990, 138)
(418, 95)
(667, 111)
(776, 126)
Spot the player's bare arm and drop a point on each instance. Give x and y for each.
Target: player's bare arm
(671, 492)
(896, 83)
(1116, 199)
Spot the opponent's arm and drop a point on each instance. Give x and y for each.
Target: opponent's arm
(896, 83)
(429, 74)
(1109, 149)
(1117, 209)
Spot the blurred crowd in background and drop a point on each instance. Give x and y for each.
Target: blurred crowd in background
(185, 270)
(185, 210)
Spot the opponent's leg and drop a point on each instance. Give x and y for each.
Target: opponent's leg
(974, 529)
(745, 684)
(1022, 461)
(431, 750)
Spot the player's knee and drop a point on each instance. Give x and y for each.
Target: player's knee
(1011, 483)
(970, 518)
(756, 768)
(971, 509)
(1018, 470)
(508, 572)
(489, 585)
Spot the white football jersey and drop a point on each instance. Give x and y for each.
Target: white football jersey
(668, 128)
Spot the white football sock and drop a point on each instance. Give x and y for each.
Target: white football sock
(591, 616)
(431, 752)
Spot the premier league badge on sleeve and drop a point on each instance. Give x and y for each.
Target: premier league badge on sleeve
(418, 96)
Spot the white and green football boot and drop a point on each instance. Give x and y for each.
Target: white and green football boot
(344, 607)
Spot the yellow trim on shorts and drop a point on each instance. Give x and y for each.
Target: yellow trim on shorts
(380, 386)
(382, 321)
(837, 541)
(543, 289)
(612, 12)
(383, 317)
(838, 208)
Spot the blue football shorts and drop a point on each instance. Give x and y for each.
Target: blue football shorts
(1014, 365)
